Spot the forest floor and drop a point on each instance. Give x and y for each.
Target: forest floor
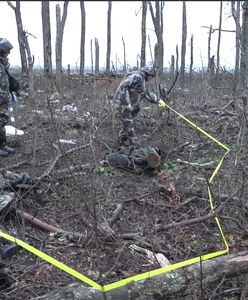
(73, 189)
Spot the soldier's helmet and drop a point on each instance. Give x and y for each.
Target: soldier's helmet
(5, 45)
(149, 69)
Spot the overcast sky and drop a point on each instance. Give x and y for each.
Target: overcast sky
(126, 22)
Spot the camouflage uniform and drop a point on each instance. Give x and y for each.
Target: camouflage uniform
(128, 101)
(5, 48)
(4, 99)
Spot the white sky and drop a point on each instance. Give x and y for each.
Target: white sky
(124, 23)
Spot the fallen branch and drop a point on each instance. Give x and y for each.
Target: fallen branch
(187, 222)
(52, 165)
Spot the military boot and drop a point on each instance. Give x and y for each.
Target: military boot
(7, 149)
(4, 149)
(3, 153)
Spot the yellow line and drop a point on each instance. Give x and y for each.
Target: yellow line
(51, 260)
(163, 270)
(145, 275)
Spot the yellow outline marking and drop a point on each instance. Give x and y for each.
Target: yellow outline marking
(146, 275)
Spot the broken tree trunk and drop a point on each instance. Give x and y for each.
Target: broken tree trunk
(172, 283)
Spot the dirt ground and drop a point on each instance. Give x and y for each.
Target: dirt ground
(72, 187)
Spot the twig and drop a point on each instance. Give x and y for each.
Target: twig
(236, 221)
(49, 169)
(14, 166)
(188, 222)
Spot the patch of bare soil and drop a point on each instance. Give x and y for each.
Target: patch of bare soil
(72, 189)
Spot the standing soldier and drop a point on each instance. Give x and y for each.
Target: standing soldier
(129, 97)
(6, 85)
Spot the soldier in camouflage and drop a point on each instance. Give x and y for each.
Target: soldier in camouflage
(128, 100)
(5, 48)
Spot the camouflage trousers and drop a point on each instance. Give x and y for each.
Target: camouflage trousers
(124, 129)
(4, 119)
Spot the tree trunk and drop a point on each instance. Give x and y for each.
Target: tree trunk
(244, 48)
(191, 57)
(82, 43)
(30, 67)
(158, 26)
(172, 66)
(108, 36)
(59, 35)
(124, 56)
(21, 35)
(177, 59)
(143, 35)
(96, 56)
(187, 280)
(91, 55)
(209, 47)
(46, 29)
(218, 45)
(183, 48)
(236, 16)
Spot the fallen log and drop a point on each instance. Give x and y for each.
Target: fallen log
(166, 285)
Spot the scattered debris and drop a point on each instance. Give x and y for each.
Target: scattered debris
(11, 130)
(153, 258)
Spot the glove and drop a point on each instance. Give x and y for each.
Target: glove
(14, 99)
(161, 103)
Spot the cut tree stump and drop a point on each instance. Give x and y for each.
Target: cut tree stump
(166, 285)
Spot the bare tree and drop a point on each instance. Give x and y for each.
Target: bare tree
(124, 56)
(91, 55)
(172, 65)
(21, 35)
(59, 35)
(143, 35)
(46, 29)
(209, 46)
(96, 56)
(218, 45)
(108, 36)
(236, 15)
(177, 58)
(191, 56)
(82, 43)
(30, 66)
(158, 24)
(183, 47)
(244, 48)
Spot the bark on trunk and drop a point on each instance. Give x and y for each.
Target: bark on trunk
(244, 48)
(96, 56)
(157, 20)
(108, 36)
(172, 66)
(183, 47)
(124, 56)
(59, 34)
(191, 57)
(143, 35)
(209, 46)
(236, 16)
(82, 43)
(20, 33)
(46, 29)
(177, 58)
(218, 46)
(91, 55)
(185, 280)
